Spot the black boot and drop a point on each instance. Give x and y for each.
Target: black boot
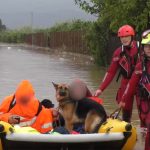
(126, 115)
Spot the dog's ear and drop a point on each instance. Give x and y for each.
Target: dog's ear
(55, 85)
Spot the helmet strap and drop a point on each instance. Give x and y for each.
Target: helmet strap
(145, 59)
(128, 47)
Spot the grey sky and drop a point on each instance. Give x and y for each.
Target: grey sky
(17, 13)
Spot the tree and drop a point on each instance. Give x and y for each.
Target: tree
(119, 12)
(92, 6)
(2, 26)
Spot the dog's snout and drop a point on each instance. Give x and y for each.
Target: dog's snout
(62, 93)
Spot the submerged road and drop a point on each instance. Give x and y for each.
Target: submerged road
(44, 67)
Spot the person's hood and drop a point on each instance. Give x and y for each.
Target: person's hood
(24, 89)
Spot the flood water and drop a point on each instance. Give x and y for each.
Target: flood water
(43, 67)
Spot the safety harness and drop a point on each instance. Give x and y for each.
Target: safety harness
(21, 120)
(13, 103)
(126, 65)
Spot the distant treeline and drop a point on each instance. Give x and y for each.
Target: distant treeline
(74, 36)
(19, 35)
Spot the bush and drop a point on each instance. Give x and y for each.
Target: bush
(14, 36)
(97, 39)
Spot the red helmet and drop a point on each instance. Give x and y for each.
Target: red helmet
(126, 30)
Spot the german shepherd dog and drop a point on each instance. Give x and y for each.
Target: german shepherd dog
(84, 111)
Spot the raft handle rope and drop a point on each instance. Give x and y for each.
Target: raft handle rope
(116, 113)
(108, 129)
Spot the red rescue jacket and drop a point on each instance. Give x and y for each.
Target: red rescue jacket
(139, 84)
(123, 60)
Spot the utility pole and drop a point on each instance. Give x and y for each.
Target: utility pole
(31, 15)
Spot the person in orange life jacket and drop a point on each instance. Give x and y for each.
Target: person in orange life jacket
(139, 85)
(24, 109)
(124, 60)
(48, 104)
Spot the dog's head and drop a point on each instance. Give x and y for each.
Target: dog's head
(62, 91)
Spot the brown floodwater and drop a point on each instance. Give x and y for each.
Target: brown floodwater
(43, 67)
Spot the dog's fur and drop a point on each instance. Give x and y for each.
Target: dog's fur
(85, 111)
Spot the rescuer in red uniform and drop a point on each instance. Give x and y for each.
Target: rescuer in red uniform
(124, 60)
(139, 85)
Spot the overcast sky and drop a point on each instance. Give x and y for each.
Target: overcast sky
(17, 13)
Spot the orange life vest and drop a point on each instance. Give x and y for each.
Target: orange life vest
(32, 114)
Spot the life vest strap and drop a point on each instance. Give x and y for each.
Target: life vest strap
(136, 57)
(39, 109)
(13, 103)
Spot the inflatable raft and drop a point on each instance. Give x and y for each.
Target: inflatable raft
(113, 135)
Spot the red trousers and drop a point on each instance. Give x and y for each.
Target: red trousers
(144, 115)
(127, 110)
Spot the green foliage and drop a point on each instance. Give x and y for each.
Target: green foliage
(12, 36)
(97, 38)
(122, 12)
(91, 6)
(70, 26)
(119, 12)
(18, 35)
